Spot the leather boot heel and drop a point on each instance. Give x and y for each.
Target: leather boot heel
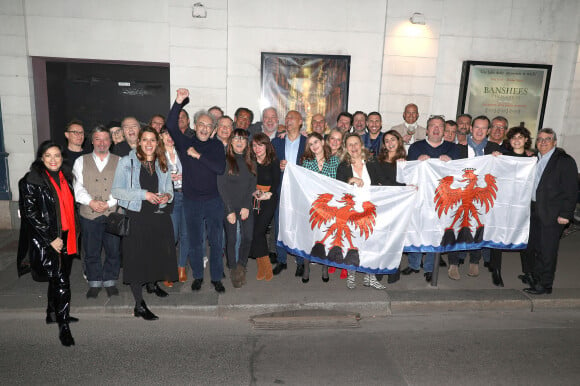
(65, 335)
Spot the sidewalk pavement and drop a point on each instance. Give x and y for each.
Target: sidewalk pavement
(411, 294)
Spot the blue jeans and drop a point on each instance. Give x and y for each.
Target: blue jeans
(205, 215)
(281, 252)
(99, 273)
(414, 259)
(180, 228)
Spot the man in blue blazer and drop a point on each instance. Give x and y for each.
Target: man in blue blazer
(289, 149)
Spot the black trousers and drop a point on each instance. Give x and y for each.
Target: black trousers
(58, 294)
(541, 255)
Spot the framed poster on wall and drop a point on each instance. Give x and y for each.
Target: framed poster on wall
(310, 84)
(515, 91)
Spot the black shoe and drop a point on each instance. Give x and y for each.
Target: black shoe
(141, 310)
(496, 278)
(65, 336)
(428, 276)
(154, 288)
(279, 268)
(112, 291)
(442, 262)
(273, 257)
(219, 287)
(196, 285)
(379, 276)
(299, 270)
(527, 278)
(51, 318)
(538, 289)
(460, 262)
(93, 292)
(394, 277)
(305, 280)
(409, 270)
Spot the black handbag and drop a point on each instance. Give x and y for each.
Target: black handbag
(119, 223)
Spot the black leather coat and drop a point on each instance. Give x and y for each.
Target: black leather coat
(40, 225)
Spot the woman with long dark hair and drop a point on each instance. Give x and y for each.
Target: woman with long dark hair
(236, 187)
(143, 186)
(318, 158)
(265, 201)
(48, 233)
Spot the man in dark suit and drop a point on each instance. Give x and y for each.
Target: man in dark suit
(289, 149)
(553, 203)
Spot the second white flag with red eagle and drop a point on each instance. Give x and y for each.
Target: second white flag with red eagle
(341, 225)
(469, 203)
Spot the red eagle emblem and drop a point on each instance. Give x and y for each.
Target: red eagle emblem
(464, 199)
(341, 219)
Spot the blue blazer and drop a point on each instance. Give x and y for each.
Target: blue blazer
(280, 147)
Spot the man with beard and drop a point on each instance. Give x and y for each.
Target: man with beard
(94, 174)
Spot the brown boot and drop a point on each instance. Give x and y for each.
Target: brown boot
(242, 274)
(235, 277)
(261, 261)
(182, 275)
(268, 275)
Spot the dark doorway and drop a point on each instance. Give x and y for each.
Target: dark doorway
(99, 92)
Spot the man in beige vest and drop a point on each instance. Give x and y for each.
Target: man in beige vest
(94, 175)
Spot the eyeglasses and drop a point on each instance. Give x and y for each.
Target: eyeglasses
(206, 125)
(499, 127)
(77, 132)
(544, 140)
(238, 138)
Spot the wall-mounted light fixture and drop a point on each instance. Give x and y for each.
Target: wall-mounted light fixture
(199, 11)
(417, 18)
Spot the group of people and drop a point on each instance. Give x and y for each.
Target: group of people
(219, 181)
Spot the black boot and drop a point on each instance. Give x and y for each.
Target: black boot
(141, 310)
(65, 335)
(154, 288)
(496, 277)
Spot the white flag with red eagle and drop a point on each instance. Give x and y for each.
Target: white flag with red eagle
(469, 203)
(333, 223)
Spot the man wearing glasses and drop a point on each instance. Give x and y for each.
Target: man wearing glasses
(203, 159)
(553, 203)
(499, 126)
(75, 137)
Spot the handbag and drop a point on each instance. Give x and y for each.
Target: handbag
(119, 223)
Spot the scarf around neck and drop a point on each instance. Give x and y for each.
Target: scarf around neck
(478, 149)
(67, 211)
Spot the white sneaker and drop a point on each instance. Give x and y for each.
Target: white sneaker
(350, 280)
(205, 260)
(371, 281)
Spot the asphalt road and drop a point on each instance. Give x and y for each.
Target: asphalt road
(479, 348)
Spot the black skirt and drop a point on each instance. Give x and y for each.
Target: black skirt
(149, 250)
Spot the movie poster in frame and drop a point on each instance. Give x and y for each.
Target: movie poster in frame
(310, 84)
(515, 91)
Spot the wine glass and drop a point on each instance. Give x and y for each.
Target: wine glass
(158, 210)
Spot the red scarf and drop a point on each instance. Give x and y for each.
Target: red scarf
(67, 211)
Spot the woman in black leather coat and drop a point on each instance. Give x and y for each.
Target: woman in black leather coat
(48, 232)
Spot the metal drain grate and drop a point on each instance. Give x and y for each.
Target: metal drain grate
(300, 319)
